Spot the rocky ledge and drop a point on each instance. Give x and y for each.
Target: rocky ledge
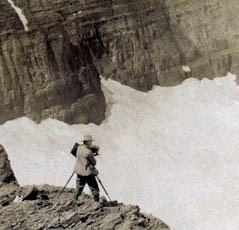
(41, 207)
(47, 211)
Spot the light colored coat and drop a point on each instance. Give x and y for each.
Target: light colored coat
(84, 160)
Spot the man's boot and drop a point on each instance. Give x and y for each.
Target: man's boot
(103, 200)
(78, 200)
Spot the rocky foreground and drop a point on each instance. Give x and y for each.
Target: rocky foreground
(47, 211)
(41, 207)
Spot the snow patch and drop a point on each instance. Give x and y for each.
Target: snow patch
(173, 151)
(20, 14)
(186, 68)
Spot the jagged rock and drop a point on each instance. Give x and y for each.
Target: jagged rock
(8, 181)
(6, 173)
(63, 213)
(41, 207)
(31, 193)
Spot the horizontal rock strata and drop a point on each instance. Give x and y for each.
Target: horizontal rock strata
(47, 71)
(52, 68)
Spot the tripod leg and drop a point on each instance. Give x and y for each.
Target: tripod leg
(66, 184)
(103, 187)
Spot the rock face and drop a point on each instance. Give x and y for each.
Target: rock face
(6, 174)
(47, 71)
(52, 70)
(63, 213)
(207, 38)
(149, 41)
(41, 207)
(8, 182)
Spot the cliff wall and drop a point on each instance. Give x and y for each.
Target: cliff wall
(51, 69)
(48, 70)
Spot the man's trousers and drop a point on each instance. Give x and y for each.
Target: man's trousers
(92, 183)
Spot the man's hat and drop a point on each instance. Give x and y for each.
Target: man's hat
(87, 138)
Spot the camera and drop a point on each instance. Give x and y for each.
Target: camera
(95, 149)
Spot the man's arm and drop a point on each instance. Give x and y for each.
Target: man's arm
(74, 149)
(91, 160)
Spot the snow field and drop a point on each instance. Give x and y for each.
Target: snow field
(173, 151)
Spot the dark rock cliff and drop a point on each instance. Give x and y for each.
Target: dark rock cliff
(206, 35)
(8, 182)
(52, 70)
(6, 174)
(47, 71)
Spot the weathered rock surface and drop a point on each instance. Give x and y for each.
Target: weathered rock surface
(53, 69)
(8, 182)
(6, 174)
(48, 71)
(63, 213)
(207, 38)
(41, 207)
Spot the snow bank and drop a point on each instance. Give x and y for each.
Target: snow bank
(20, 14)
(173, 151)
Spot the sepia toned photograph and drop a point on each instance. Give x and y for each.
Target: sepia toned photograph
(119, 114)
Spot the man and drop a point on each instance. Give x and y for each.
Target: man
(85, 167)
